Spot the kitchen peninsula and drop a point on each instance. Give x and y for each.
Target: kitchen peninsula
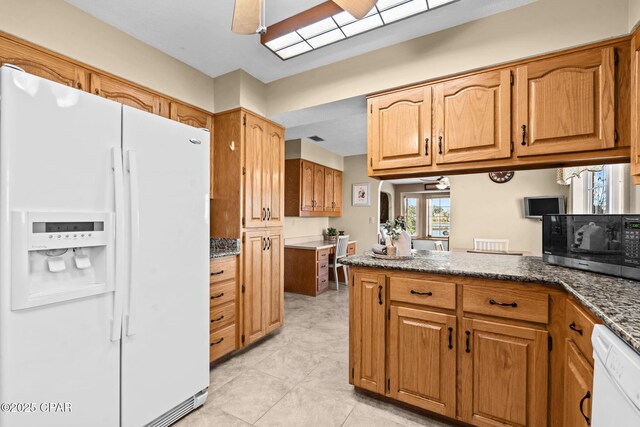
(440, 330)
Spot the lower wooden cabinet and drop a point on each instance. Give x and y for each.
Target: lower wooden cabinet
(504, 373)
(578, 387)
(223, 327)
(367, 330)
(422, 359)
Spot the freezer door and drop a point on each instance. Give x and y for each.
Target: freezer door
(166, 324)
(55, 156)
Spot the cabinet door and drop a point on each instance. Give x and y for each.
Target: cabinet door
(422, 359)
(274, 281)
(254, 272)
(473, 118)
(368, 332)
(306, 186)
(43, 65)
(400, 129)
(273, 188)
(566, 104)
(127, 94)
(190, 116)
(255, 135)
(504, 373)
(635, 107)
(318, 188)
(337, 193)
(578, 386)
(329, 188)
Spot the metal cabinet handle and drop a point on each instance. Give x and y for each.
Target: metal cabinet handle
(573, 327)
(268, 214)
(503, 304)
(221, 294)
(468, 350)
(264, 214)
(217, 342)
(97, 91)
(586, 396)
(524, 134)
(450, 338)
(269, 242)
(426, 146)
(421, 293)
(217, 273)
(440, 145)
(380, 294)
(264, 243)
(218, 319)
(79, 85)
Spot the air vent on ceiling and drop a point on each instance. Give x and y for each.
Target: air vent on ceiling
(316, 138)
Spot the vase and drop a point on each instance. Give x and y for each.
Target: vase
(391, 250)
(403, 244)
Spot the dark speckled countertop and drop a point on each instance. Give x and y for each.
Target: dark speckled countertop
(614, 300)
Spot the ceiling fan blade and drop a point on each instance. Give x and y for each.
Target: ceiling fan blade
(357, 8)
(246, 16)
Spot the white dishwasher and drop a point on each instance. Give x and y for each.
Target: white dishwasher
(616, 381)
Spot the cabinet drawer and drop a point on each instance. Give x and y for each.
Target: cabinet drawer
(222, 315)
(323, 254)
(222, 342)
(506, 302)
(222, 293)
(423, 292)
(222, 269)
(579, 328)
(323, 267)
(323, 283)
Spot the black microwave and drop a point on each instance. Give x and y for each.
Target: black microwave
(608, 244)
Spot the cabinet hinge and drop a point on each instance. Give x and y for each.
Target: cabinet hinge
(388, 384)
(511, 78)
(244, 170)
(512, 146)
(550, 343)
(371, 161)
(388, 314)
(615, 135)
(242, 239)
(244, 120)
(616, 58)
(243, 221)
(242, 339)
(243, 289)
(353, 372)
(371, 108)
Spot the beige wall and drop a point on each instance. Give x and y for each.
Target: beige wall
(634, 13)
(58, 26)
(482, 208)
(303, 227)
(543, 26)
(360, 223)
(240, 89)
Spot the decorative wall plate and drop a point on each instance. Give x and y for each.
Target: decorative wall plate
(501, 177)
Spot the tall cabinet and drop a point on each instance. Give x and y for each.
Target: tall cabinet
(248, 203)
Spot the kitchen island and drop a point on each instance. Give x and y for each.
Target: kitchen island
(484, 339)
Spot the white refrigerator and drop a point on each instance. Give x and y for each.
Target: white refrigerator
(104, 254)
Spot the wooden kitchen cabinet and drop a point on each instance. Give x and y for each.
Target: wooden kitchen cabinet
(566, 104)
(578, 387)
(635, 107)
(422, 359)
(136, 97)
(399, 134)
(367, 331)
(223, 327)
(263, 278)
(504, 374)
(273, 169)
(473, 118)
(312, 189)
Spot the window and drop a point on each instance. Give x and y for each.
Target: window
(605, 191)
(411, 214)
(438, 217)
(598, 192)
(427, 214)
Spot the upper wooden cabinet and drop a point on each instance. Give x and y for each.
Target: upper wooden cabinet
(400, 129)
(312, 189)
(635, 107)
(45, 65)
(273, 169)
(191, 116)
(133, 96)
(567, 104)
(473, 118)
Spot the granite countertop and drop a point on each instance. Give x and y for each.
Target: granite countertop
(314, 245)
(614, 300)
(219, 247)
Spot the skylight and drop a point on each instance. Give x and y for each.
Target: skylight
(307, 32)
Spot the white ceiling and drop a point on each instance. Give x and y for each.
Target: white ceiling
(198, 32)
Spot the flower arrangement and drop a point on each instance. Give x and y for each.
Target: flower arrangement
(393, 227)
(331, 233)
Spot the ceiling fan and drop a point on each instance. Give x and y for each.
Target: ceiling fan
(249, 15)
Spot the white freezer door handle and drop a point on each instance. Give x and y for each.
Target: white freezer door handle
(132, 169)
(118, 180)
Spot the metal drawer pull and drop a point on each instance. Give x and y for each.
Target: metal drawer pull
(524, 134)
(217, 342)
(264, 214)
(218, 319)
(440, 145)
(221, 294)
(380, 294)
(586, 396)
(426, 146)
(217, 273)
(450, 338)
(468, 350)
(503, 304)
(573, 327)
(421, 293)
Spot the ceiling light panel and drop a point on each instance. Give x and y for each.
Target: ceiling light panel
(284, 41)
(386, 4)
(438, 3)
(318, 28)
(295, 50)
(365, 24)
(405, 10)
(326, 38)
(343, 18)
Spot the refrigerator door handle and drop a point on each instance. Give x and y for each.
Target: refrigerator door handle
(118, 181)
(132, 170)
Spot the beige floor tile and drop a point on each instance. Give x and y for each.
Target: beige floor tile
(290, 364)
(210, 416)
(331, 378)
(302, 407)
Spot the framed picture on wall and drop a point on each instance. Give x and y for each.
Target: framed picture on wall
(361, 194)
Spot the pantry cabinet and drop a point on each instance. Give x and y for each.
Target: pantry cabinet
(399, 132)
(312, 189)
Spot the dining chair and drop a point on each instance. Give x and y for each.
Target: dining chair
(438, 246)
(493, 245)
(341, 252)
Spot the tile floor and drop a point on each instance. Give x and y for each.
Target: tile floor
(298, 377)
